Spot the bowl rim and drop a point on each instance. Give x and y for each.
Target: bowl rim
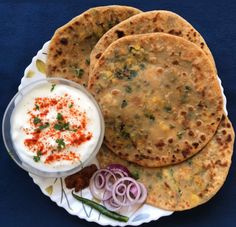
(8, 113)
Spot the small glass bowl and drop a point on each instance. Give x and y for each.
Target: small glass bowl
(6, 128)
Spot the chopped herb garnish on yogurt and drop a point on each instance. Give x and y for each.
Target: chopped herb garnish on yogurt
(53, 87)
(41, 127)
(66, 126)
(58, 127)
(59, 117)
(38, 156)
(60, 144)
(71, 105)
(36, 120)
(61, 126)
(36, 106)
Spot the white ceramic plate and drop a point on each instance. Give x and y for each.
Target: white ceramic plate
(55, 188)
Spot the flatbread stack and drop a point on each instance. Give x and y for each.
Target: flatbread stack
(156, 82)
(173, 104)
(190, 183)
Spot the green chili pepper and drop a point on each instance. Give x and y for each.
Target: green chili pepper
(101, 209)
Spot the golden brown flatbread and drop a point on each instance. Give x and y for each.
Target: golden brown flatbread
(190, 183)
(160, 98)
(70, 47)
(149, 22)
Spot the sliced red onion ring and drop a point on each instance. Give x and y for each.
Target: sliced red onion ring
(106, 195)
(120, 189)
(98, 194)
(116, 189)
(110, 205)
(112, 202)
(99, 181)
(133, 190)
(119, 167)
(97, 185)
(143, 193)
(119, 174)
(110, 180)
(130, 200)
(99, 177)
(133, 198)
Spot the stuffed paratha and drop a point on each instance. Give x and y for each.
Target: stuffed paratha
(70, 47)
(160, 98)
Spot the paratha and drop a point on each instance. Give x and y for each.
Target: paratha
(149, 22)
(70, 47)
(160, 98)
(190, 183)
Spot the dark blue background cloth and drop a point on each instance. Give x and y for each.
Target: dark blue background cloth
(26, 25)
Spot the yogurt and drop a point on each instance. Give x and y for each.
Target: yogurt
(55, 127)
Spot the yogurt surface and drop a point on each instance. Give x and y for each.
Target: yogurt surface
(55, 127)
